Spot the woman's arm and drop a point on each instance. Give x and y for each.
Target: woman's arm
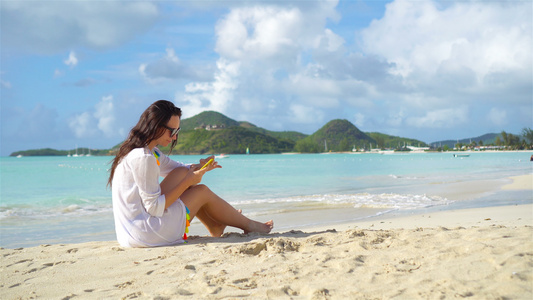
(181, 178)
(177, 182)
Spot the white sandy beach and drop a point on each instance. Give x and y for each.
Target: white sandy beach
(481, 253)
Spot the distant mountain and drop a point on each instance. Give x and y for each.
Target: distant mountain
(234, 140)
(212, 132)
(208, 119)
(393, 142)
(289, 135)
(487, 139)
(336, 135)
(212, 120)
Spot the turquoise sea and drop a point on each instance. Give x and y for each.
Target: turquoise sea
(49, 200)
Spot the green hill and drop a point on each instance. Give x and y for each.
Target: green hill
(485, 139)
(234, 140)
(385, 141)
(212, 120)
(288, 135)
(336, 135)
(208, 119)
(211, 133)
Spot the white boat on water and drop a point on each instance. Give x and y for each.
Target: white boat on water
(76, 155)
(386, 152)
(461, 155)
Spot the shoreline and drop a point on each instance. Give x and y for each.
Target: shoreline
(464, 195)
(518, 215)
(522, 182)
(347, 217)
(383, 152)
(510, 215)
(480, 253)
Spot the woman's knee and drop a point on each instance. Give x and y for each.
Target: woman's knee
(201, 188)
(195, 191)
(195, 197)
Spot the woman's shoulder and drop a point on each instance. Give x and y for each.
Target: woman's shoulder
(139, 153)
(157, 150)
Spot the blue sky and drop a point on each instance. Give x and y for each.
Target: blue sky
(81, 72)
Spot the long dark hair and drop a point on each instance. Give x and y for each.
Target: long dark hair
(150, 127)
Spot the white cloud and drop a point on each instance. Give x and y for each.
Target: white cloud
(100, 121)
(497, 116)
(422, 65)
(316, 91)
(288, 65)
(306, 114)
(53, 26)
(259, 32)
(215, 95)
(332, 42)
(445, 62)
(105, 115)
(278, 33)
(440, 118)
(396, 118)
(261, 43)
(72, 60)
(423, 40)
(83, 125)
(359, 120)
(170, 68)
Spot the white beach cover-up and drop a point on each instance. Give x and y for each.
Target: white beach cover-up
(141, 219)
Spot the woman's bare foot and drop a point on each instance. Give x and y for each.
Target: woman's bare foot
(255, 226)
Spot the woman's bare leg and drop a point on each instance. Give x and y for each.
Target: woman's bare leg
(214, 212)
(201, 199)
(215, 228)
(171, 180)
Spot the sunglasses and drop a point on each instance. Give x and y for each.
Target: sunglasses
(173, 131)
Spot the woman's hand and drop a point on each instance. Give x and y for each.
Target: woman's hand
(210, 167)
(194, 176)
(196, 172)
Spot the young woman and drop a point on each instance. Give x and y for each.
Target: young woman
(149, 213)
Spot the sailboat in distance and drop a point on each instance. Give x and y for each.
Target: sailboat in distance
(76, 155)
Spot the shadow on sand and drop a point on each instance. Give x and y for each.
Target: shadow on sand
(233, 237)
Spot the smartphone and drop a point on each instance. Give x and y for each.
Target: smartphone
(207, 164)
